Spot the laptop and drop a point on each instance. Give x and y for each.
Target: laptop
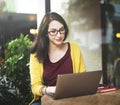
(79, 84)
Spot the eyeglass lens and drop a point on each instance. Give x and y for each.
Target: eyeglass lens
(55, 32)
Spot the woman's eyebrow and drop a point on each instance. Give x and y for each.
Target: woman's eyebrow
(56, 29)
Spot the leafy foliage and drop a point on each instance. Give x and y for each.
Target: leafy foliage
(14, 73)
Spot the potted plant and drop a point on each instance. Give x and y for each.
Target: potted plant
(14, 73)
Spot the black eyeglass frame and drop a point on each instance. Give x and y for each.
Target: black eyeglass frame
(55, 32)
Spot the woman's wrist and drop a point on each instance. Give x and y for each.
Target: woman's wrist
(44, 90)
(48, 90)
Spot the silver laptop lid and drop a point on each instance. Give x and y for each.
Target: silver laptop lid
(72, 85)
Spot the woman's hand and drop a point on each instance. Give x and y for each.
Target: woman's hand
(50, 90)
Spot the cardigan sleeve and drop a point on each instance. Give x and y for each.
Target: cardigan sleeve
(36, 72)
(77, 59)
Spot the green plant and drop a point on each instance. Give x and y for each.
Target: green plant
(14, 73)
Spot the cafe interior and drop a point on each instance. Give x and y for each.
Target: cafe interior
(93, 25)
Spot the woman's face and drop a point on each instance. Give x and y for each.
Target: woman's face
(56, 32)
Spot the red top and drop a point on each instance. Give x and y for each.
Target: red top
(51, 70)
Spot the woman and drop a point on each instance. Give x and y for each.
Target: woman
(51, 56)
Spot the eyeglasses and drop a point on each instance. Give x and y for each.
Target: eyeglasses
(55, 32)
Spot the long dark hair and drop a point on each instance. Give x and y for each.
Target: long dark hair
(41, 42)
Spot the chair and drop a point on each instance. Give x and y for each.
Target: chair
(117, 72)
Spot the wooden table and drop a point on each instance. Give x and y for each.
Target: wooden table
(108, 98)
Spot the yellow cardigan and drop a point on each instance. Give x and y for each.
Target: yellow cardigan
(36, 69)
